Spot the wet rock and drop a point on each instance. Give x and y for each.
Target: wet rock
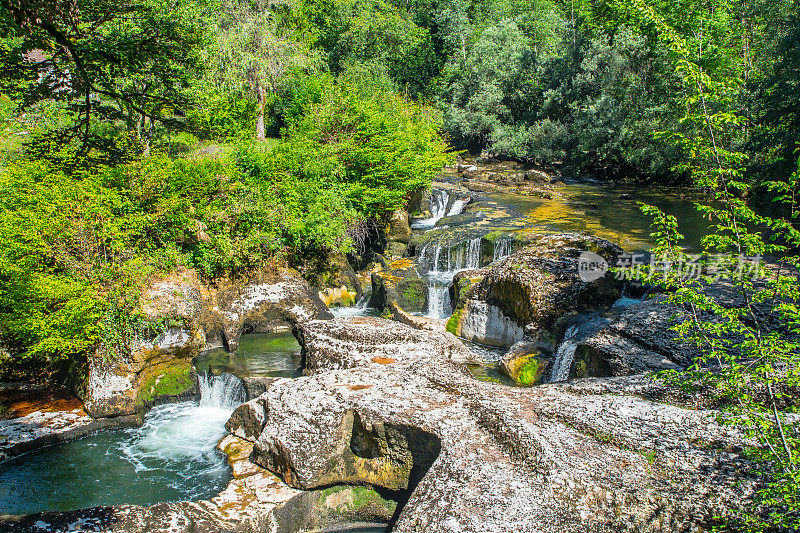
(247, 420)
(471, 456)
(638, 340)
(255, 386)
(526, 293)
(338, 275)
(399, 282)
(525, 364)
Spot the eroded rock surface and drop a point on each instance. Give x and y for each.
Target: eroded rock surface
(525, 294)
(473, 456)
(267, 306)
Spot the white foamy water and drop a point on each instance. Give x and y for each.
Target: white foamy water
(565, 354)
(186, 432)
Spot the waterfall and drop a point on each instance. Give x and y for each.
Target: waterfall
(223, 391)
(474, 253)
(502, 248)
(565, 354)
(439, 201)
(457, 262)
(458, 207)
(438, 301)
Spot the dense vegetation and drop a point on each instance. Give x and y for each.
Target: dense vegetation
(235, 135)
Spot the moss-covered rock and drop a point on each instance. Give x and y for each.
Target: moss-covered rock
(125, 384)
(399, 282)
(398, 229)
(525, 364)
(334, 508)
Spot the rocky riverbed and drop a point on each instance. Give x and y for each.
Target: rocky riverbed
(380, 421)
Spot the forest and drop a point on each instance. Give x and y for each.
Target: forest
(238, 136)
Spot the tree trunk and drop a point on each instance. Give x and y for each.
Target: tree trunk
(260, 120)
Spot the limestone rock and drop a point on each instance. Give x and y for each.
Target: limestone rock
(267, 305)
(526, 293)
(359, 341)
(334, 509)
(398, 281)
(473, 456)
(247, 420)
(124, 383)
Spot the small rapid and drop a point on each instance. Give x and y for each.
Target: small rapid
(172, 456)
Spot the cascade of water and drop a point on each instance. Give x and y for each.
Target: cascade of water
(457, 255)
(565, 354)
(439, 201)
(502, 249)
(474, 253)
(458, 207)
(438, 301)
(223, 391)
(436, 255)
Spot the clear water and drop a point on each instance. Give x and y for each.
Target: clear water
(489, 369)
(264, 355)
(172, 457)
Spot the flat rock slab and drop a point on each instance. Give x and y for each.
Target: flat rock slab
(40, 428)
(474, 457)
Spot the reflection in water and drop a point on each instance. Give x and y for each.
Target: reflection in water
(268, 354)
(611, 212)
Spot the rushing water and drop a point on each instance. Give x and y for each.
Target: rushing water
(564, 355)
(171, 457)
(268, 354)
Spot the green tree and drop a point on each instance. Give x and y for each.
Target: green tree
(106, 60)
(256, 45)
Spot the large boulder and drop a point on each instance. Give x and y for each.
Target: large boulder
(637, 340)
(154, 364)
(272, 303)
(526, 294)
(154, 370)
(471, 456)
(399, 282)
